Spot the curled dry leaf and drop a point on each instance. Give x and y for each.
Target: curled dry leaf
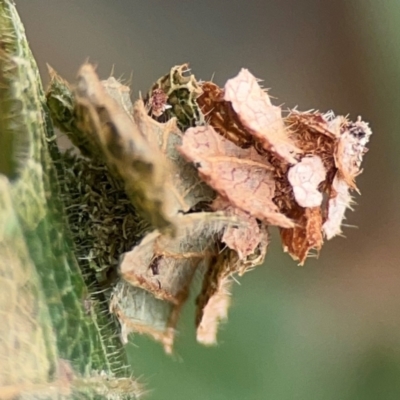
(243, 238)
(265, 170)
(164, 265)
(340, 145)
(350, 150)
(306, 235)
(182, 182)
(301, 186)
(242, 176)
(325, 124)
(141, 166)
(220, 114)
(138, 311)
(340, 199)
(214, 300)
(120, 93)
(313, 133)
(264, 121)
(305, 178)
(214, 312)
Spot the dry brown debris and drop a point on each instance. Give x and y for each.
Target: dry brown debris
(219, 165)
(242, 176)
(220, 115)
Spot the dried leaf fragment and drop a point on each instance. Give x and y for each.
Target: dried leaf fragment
(141, 166)
(242, 176)
(183, 182)
(351, 148)
(214, 300)
(243, 238)
(305, 178)
(164, 265)
(220, 114)
(163, 268)
(339, 145)
(306, 235)
(340, 200)
(324, 124)
(220, 183)
(264, 121)
(120, 93)
(214, 312)
(138, 311)
(316, 135)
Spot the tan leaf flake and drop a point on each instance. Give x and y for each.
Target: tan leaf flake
(255, 110)
(305, 178)
(165, 265)
(306, 235)
(138, 311)
(314, 134)
(183, 181)
(340, 200)
(350, 150)
(214, 300)
(325, 124)
(243, 238)
(215, 312)
(141, 166)
(242, 176)
(221, 116)
(120, 93)
(258, 256)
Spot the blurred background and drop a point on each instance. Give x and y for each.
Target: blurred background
(331, 329)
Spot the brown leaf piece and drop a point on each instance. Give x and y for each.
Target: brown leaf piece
(350, 150)
(183, 182)
(306, 235)
(239, 257)
(242, 176)
(317, 122)
(141, 166)
(310, 134)
(220, 114)
(214, 312)
(339, 145)
(259, 116)
(305, 178)
(165, 266)
(243, 238)
(138, 311)
(120, 93)
(258, 256)
(300, 188)
(214, 300)
(340, 199)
